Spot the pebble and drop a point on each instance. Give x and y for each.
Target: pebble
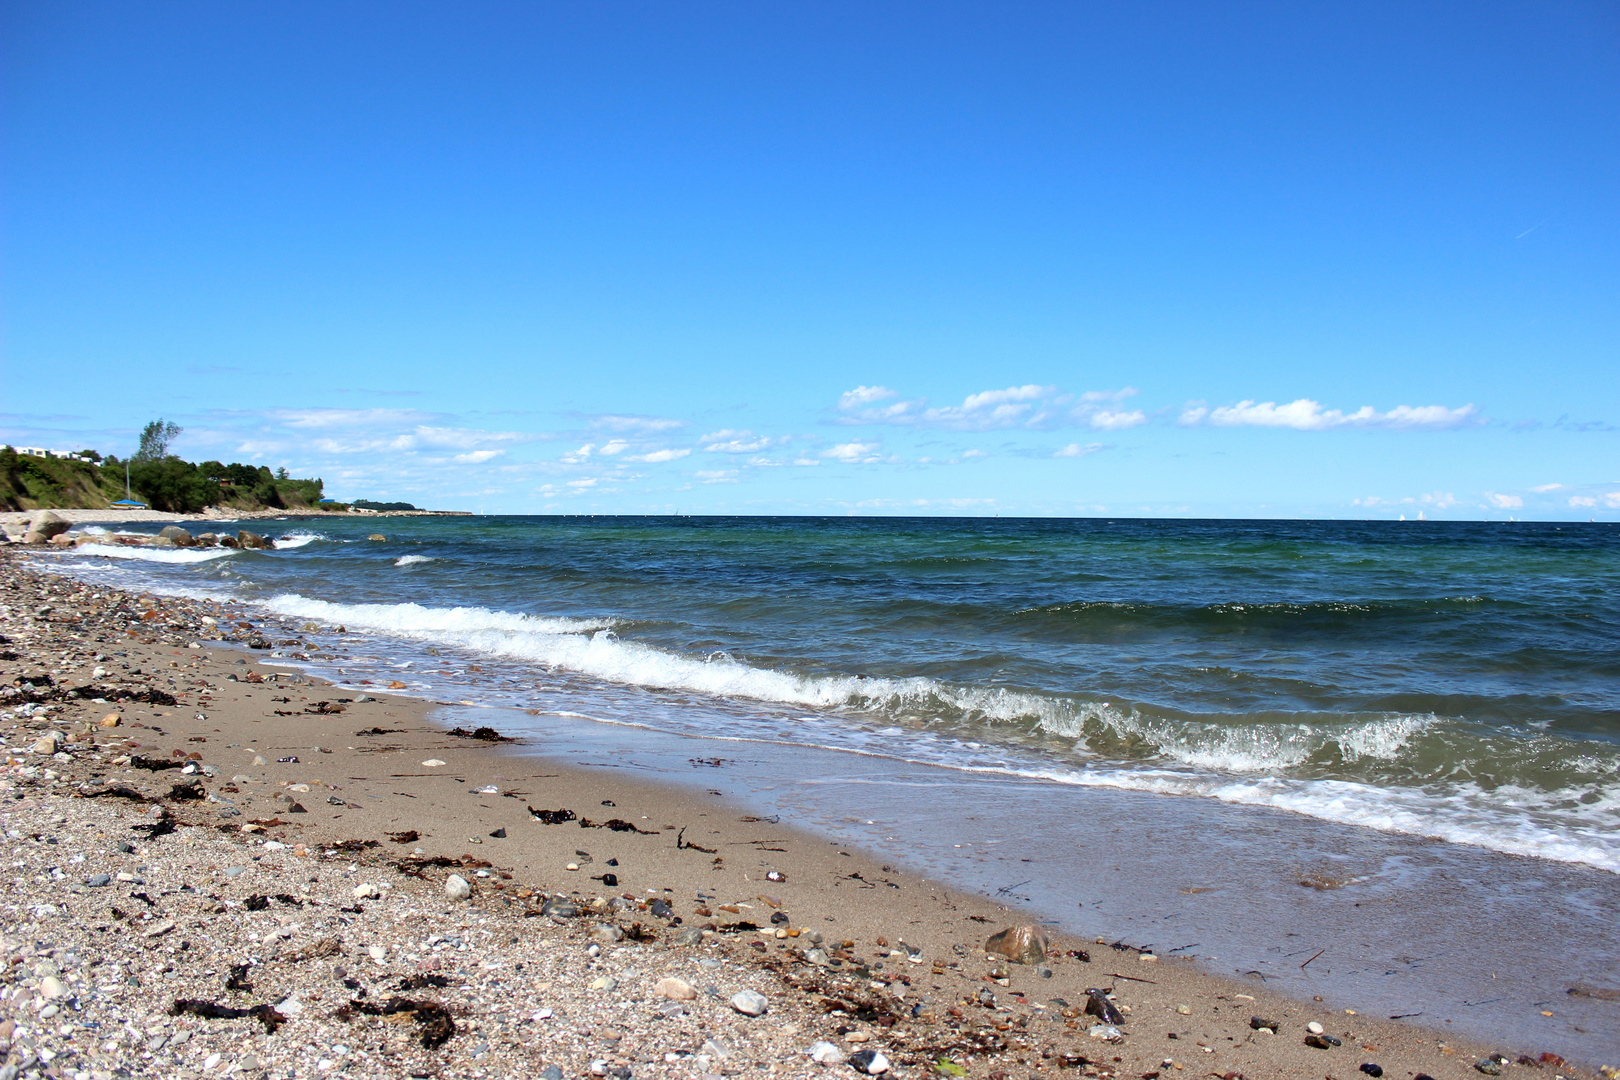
(366, 891)
(750, 1003)
(433, 762)
(825, 1053)
(235, 871)
(377, 953)
(675, 989)
(1184, 1010)
(1314, 1028)
(51, 987)
(456, 887)
(98, 881)
(606, 933)
(870, 1062)
(1107, 1032)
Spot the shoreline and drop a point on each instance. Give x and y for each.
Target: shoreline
(373, 785)
(113, 516)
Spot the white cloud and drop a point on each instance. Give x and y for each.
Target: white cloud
(717, 476)
(1582, 501)
(620, 422)
(656, 456)
(1542, 489)
(583, 483)
(321, 418)
(1076, 450)
(855, 453)
(1610, 499)
(476, 457)
(1117, 420)
(613, 446)
(975, 453)
(1503, 502)
(728, 441)
(864, 395)
(1305, 414)
(580, 456)
(1031, 406)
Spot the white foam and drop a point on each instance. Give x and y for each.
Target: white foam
(412, 560)
(157, 555)
(297, 540)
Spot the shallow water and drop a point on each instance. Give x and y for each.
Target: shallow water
(1320, 695)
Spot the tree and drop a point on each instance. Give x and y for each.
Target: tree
(155, 439)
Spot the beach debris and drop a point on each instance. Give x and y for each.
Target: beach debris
(210, 1010)
(1024, 944)
(750, 1003)
(433, 763)
(456, 887)
(1106, 1032)
(1374, 1071)
(482, 734)
(437, 1027)
(291, 759)
(1098, 1005)
(552, 817)
(1492, 1065)
(409, 836)
(380, 730)
(1322, 1042)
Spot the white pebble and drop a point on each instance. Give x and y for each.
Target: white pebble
(456, 887)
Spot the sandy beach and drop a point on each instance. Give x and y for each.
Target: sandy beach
(300, 861)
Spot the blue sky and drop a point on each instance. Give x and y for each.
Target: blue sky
(1181, 259)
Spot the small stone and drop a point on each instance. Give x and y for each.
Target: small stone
(604, 982)
(1186, 1010)
(51, 987)
(1107, 1032)
(1374, 1071)
(210, 1062)
(456, 887)
(551, 1072)
(258, 760)
(1321, 1042)
(1314, 1028)
(159, 929)
(235, 871)
(870, 1062)
(691, 935)
(1489, 1066)
(111, 719)
(98, 881)
(377, 953)
(675, 989)
(433, 763)
(1258, 1023)
(1021, 944)
(606, 933)
(366, 891)
(248, 1062)
(290, 1006)
(825, 1053)
(750, 1003)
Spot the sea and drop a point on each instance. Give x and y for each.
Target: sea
(1374, 762)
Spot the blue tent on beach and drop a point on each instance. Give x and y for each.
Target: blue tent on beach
(129, 504)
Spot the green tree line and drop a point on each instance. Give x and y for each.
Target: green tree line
(161, 480)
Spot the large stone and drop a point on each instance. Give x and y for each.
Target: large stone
(750, 1003)
(675, 989)
(1021, 944)
(180, 537)
(253, 541)
(44, 525)
(206, 539)
(456, 887)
